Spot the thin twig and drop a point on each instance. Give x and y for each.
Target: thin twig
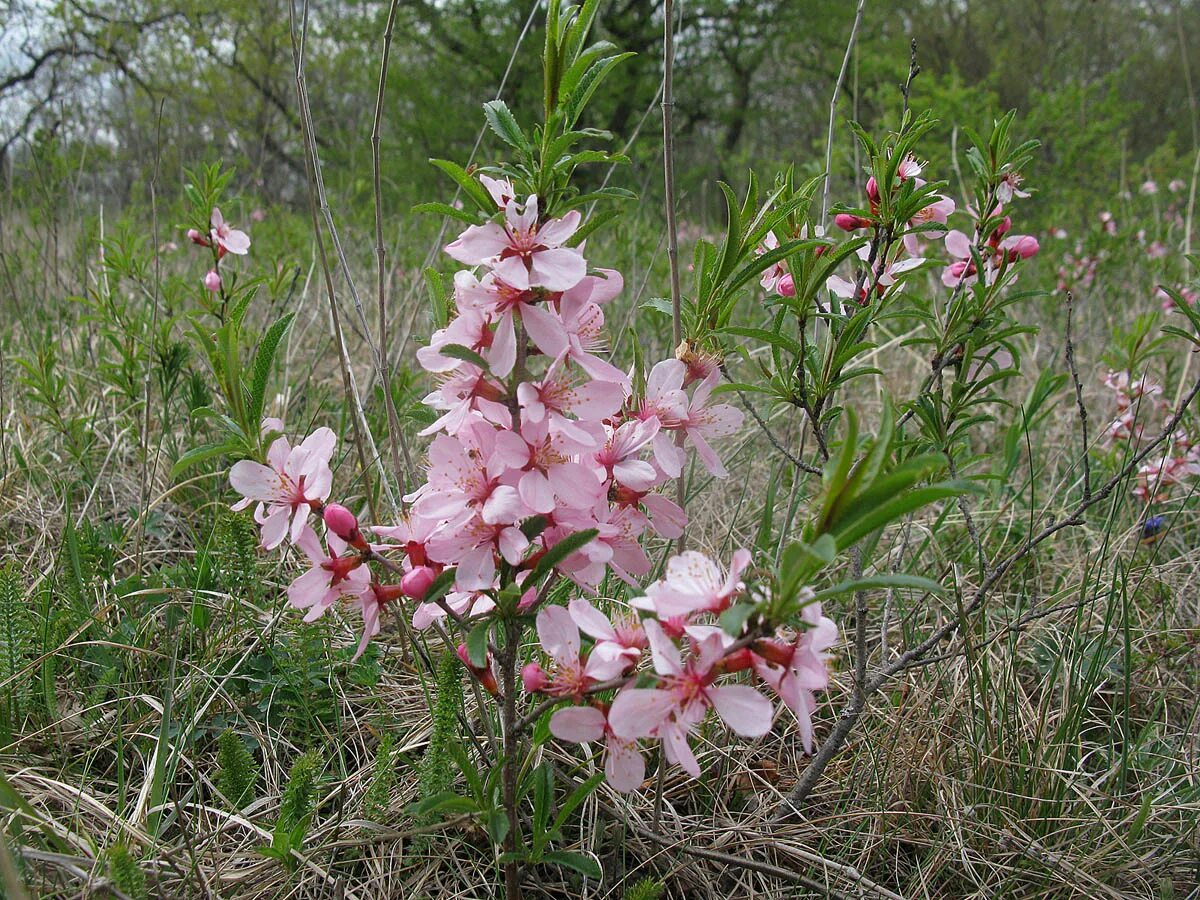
(914, 655)
(837, 90)
(1079, 404)
(396, 436)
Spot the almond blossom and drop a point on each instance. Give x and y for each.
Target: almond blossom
(294, 481)
(227, 238)
(687, 690)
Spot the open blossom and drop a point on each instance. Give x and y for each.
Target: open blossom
(334, 574)
(286, 489)
(523, 252)
(884, 276)
(226, 237)
(694, 583)
(797, 669)
(687, 690)
(574, 672)
(703, 422)
(624, 767)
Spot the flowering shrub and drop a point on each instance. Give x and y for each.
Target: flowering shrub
(549, 470)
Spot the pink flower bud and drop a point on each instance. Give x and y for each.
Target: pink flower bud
(341, 522)
(786, 286)
(1025, 247)
(847, 222)
(212, 281)
(415, 584)
(527, 599)
(533, 678)
(872, 189)
(197, 238)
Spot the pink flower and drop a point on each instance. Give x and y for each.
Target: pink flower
(1176, 185)
(556, 397)
(212, 281)
(702, 423)
(464, 477)
(1149, 187)
(574, 672)
(293, 482)
(331, 576)
(498, 301)
(694, 583)
(774, 273)
(227, 238)
(796, 669)
(687, 691)
(522, 252)
(621, 643)
(1009, 187)
(624, 768)
(886, 275)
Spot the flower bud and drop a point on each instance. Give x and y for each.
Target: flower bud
(1024, 248)
(486, 676)
(416, 583)
(533, 678)
(786, 286)
(738, 661)
(872, 190)
(212, 281)
(775, 651)
(341, 522)
(197, 238)
(847, 222)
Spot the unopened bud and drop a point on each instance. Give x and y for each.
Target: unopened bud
(212, 281)
(197, 238)
(1024, 248)
(872, 190)
(786, 286)
(533, 678)
(847, 222)
(341, 522)
(416, 583)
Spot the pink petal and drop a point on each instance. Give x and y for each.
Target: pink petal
(590, 620)
(577, 724)
(743, 709)
(662, 649)
(558, 635)
(254, 480)
(557, 269)
(545, 329)
(478, 244)
(638, 712)
(624, 768)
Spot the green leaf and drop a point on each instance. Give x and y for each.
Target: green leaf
(561, 551)
(263, 360)
(501, 120)
(584, 865)
(497, 826)
(469, 183)
(477, 644)
(204, 452)
(733, 620)
(466, 354)
(445, 209)
(878, 582)
(445, 802)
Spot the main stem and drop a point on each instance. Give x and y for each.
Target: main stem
(668, 107)
(508, 677)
